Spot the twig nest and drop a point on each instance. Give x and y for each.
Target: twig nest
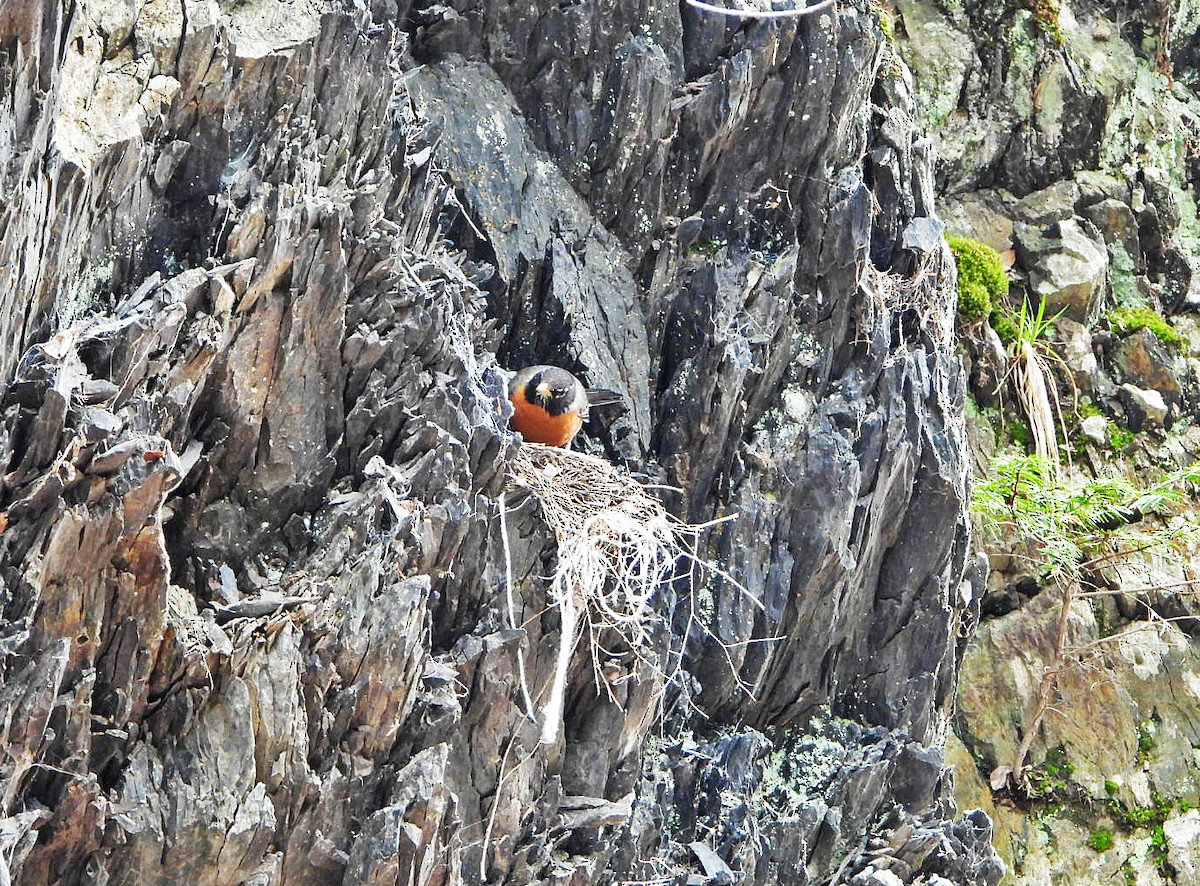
(616, 544)
(617, 547)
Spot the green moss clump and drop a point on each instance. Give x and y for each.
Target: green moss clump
(1100, 840)
(1119, 438)
(981, 278)
(1005, 326)
(1139, 816)
(1131, 319)
(1111, 787)
(1020, 433)
(886, 25)
(1144, 816)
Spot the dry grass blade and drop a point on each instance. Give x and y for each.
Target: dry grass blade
(1034, 395)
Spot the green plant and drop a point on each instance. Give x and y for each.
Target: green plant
(1032, 326)
(1158, 843)
(1004, 325)
(1020, 433)
(1100, 840)
(1139, 816)
(1128, 872)
(1111, 787)
(982, 281)
(1132, 319)
(1133, 817)
(1119, 438)
(1069, 520)
(1072, 526)
(1033, 379)
(1050, 778)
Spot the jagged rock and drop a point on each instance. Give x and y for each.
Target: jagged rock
(1067, 101)
(1116, 223)
(1146, 680)
(980, 215)
(877, 878)
(803, 783)
(260, 621)
(1077, 352)
(939, 54)
(1096, 185)
(1095, 429)
(1183, 845)
(988, 363)
(1145, 361)
(1066, 266)
(1145, 408)
(1045, 207)
(923, 235)
(1189, 327)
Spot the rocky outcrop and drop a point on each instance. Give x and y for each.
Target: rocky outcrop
(258, 265)
(1066, 134)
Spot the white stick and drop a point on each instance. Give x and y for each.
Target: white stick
(761, 13)
(553, 712)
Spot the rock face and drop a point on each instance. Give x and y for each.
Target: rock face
(1067, 268)
(1049, 121)
(258, 265)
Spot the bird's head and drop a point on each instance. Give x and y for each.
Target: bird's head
(555, 389)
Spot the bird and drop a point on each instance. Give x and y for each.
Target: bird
(550, 405)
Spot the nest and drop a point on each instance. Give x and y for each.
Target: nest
(617, 546)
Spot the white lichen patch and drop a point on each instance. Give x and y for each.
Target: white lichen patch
(800, 768)
(1145, 647)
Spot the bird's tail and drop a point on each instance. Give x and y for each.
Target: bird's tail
(603, 397)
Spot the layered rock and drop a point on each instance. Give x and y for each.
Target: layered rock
(261, 262)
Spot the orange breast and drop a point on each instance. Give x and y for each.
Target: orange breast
(538, 426)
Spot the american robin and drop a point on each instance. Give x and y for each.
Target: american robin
(550, 404)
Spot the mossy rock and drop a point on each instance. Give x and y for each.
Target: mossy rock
(1134, 318)
(982, 282)
(1100, 840)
